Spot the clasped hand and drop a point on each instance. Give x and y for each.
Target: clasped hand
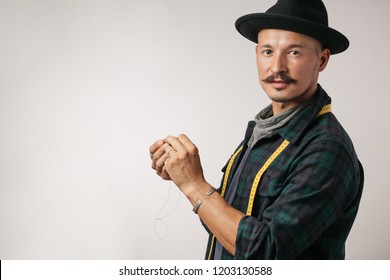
(177, 159)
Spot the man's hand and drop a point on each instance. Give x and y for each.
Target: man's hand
(177, 159)
(183, 163)
(159, 156)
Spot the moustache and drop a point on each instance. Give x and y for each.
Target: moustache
(272, 78)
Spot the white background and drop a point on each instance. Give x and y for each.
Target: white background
(86, 86)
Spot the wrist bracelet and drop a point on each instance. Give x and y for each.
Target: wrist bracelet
(196, 206)
(199, 203)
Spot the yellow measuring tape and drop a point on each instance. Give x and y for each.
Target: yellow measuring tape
(256, 181)
(259, 174)
(325, 109)
(228, 168)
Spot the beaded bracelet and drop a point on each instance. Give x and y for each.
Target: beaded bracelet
(199, 203)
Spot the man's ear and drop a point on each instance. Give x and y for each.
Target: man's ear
(325, 56)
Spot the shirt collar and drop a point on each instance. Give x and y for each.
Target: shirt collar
(295, 128)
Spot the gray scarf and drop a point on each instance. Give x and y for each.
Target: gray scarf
(267, 123)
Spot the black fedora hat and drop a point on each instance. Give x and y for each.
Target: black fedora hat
(307, 17)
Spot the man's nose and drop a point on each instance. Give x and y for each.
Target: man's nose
(278, 64)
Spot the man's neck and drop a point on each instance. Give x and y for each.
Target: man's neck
(278, 107)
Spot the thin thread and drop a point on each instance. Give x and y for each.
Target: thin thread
(160, 220)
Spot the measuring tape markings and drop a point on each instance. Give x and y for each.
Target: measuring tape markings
(259, 174)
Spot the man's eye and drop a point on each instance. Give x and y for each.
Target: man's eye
(294, 53)
(267, 52)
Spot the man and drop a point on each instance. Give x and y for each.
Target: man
(292, 188)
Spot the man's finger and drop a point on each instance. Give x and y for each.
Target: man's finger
(155, 146)
(187, 143)
(175, 143)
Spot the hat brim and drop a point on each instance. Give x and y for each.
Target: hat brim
(250, 25)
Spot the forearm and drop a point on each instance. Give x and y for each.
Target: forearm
(221, 219)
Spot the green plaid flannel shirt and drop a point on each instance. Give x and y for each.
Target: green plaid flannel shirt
(307, 200)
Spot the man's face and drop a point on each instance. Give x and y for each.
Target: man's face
(288, 66)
